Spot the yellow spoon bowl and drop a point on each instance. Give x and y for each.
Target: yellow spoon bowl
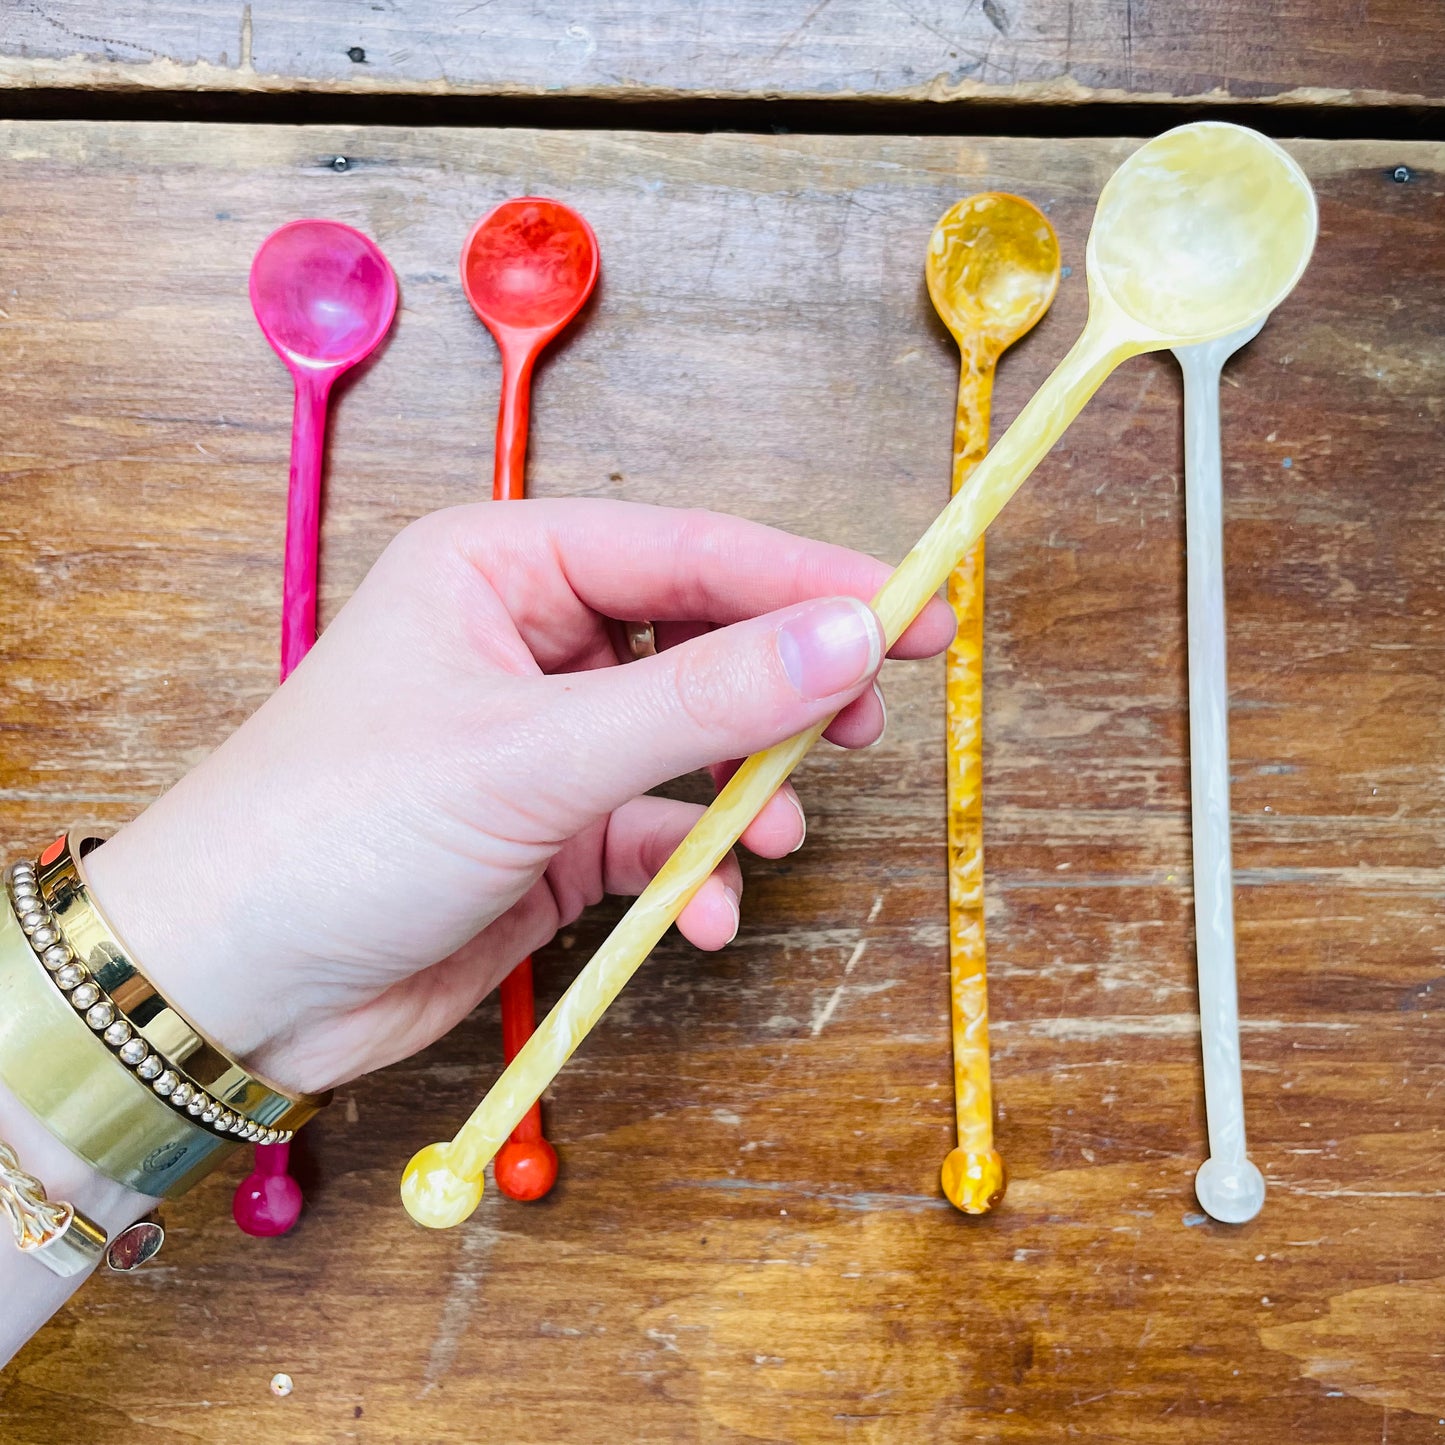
(1199, 233)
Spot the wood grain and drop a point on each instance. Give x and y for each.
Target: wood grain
(1038, 51)
(747, 1242)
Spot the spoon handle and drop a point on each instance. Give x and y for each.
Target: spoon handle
(530, 1170)
(1209, 760)
(440, 1186)
(519, 1023)
(298, 632)
(973, 1177)
(273, 1159)
(509, 478)
(968, 986)
(303, 517)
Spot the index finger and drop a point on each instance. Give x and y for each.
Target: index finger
(629, 560)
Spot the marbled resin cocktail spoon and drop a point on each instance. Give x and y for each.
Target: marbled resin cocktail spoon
(992, 269)
(1229, 1187)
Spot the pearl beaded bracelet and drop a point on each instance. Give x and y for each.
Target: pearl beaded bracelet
(117, 1029)
(93, 1050)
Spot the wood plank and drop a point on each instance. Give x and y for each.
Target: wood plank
(1033, 51)
(747, 1242)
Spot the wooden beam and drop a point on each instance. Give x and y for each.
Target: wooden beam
(1019, 51)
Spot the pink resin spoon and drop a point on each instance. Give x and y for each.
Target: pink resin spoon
(324, 296)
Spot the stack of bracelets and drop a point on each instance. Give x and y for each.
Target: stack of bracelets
(115, 1072)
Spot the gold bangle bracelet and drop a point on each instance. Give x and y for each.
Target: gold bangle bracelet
(219, 1085)
(57, 1068)
(132, 1049)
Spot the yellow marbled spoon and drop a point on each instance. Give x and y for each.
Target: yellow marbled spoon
(992, 269)
(1200, 232)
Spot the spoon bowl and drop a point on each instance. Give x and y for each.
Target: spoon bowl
(992, 269)
(323, 294)
(529, 266)
(1201, 231)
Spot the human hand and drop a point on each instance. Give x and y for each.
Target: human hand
(459, 767)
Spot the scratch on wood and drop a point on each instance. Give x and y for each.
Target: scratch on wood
(792, 37)
(823, 1014)
(1152, 1024)
(104, 41)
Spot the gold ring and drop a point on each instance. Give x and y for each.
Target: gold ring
(641, 639)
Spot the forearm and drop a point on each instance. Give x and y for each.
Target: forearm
(353, 870)
(41, 1052)
(30, 1293)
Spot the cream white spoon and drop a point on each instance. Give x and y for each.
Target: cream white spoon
(1228, 1185)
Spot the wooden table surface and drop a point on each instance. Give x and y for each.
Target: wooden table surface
(747, 1242)
(1033, 52)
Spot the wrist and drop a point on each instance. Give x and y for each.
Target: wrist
(66, 1175)
(186, 918)
(31, 1293)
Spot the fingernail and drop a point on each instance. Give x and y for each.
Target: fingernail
(830, 647)
(883, 703)
(802, 821)
(736, 906)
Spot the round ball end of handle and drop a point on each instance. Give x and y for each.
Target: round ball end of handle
(1231, 1191)
(525, 1169)
(268, 1200)
(267, 1205)
(434, 1193)
(974, 1182)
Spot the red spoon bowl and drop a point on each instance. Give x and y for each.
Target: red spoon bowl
(528, 267)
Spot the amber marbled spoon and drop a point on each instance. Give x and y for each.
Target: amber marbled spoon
(993, 269)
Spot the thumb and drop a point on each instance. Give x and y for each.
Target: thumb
(723, 695)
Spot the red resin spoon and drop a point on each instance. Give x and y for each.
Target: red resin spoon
(527, 269)
(324, 296)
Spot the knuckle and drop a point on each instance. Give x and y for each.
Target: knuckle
(423, 540)
(709, 683)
